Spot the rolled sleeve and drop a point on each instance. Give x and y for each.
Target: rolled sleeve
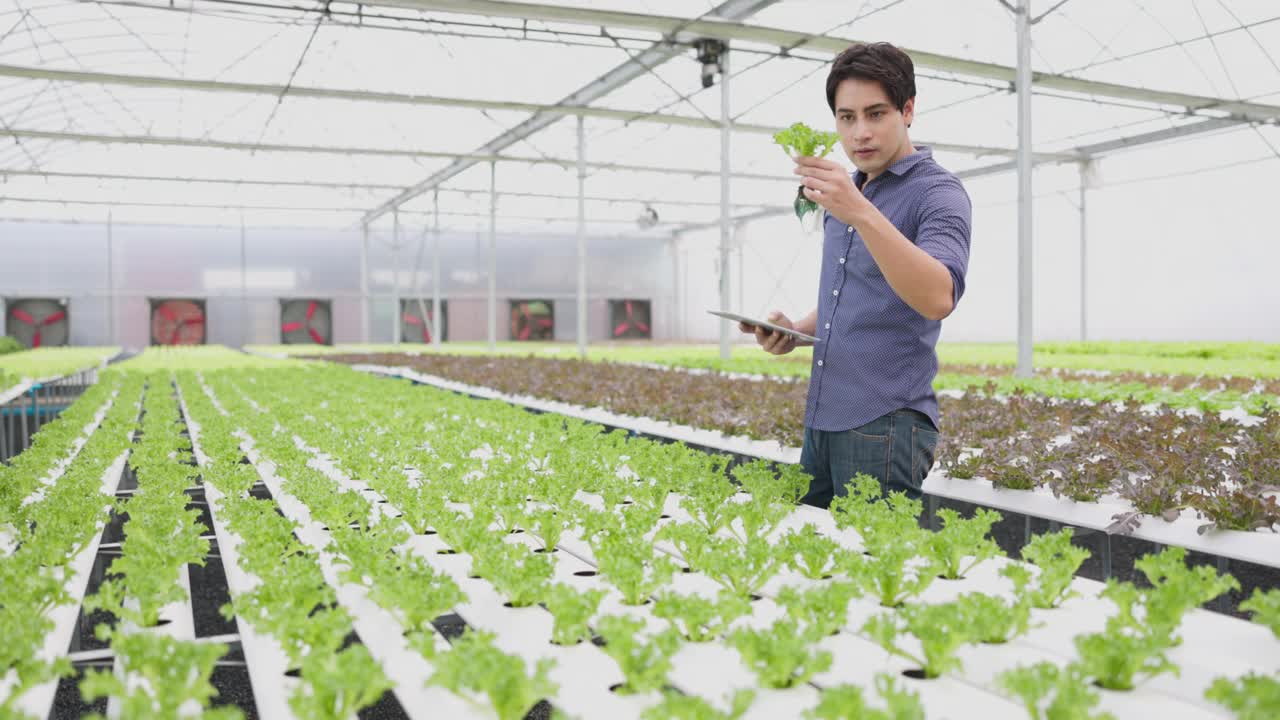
(946, 221)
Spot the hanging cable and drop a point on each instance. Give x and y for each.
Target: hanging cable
(285, 90)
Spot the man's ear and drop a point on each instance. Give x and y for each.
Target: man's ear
(909, 111)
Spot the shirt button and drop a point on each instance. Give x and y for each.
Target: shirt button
(835, 292)
(828, 327)
(850, 228)
(819, 363)
(841, 261)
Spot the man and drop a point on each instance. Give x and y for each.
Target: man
(895, 251)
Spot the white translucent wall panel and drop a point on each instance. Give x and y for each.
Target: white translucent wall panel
(69, 260)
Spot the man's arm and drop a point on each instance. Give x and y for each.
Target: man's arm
(921, 280)
(918, 278)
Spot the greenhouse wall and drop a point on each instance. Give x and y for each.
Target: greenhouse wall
(151, 262)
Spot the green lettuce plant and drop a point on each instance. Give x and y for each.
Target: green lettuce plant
(941, 630)
(1049, 692)
(475, 664)
(1252, 697)
(571, 611)
(698, 618)
(1057, 559)
(847, 702)
(781, 655)
(678, 706)
(963, 543)
(1265, 607)
(1129, 648)
(808, 552)
(645, 661)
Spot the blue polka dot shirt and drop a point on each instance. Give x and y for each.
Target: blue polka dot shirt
(878, 355)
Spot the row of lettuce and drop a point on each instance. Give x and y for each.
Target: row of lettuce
(1161, 461)
(493, 470)
(1191, 375)
(725, 539)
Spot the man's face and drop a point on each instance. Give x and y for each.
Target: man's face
(872, 130)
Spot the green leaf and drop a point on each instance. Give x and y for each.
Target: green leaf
(644, 661)
(780, 655)
(474, 663)
(1252, 697)
(1052, 693)
(800, 140)
(1265, 607)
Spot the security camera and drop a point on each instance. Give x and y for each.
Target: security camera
(648, 218)
(709, 75)
(709, 52)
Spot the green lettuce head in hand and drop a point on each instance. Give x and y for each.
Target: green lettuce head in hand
(800, 140)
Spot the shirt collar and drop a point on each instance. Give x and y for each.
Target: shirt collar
(902, 166)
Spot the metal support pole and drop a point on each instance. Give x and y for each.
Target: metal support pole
(676, 321)
(111, 282)
(724, 199)
(684, 295)
(493, 256)
(244, 287)
(739, 241)
(582, 240)
(395, 277)
(1084, 242)
(1023, 15)
(437, 321)
(415, 291)
(364, 284)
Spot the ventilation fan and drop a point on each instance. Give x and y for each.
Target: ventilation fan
(629, 319)
(413, 315)
(305, 322)
(38, 322)
(177, 322)
(532, 320)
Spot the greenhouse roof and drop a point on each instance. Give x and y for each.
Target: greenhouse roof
(332, 114)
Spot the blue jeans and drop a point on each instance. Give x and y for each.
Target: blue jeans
(896, 449)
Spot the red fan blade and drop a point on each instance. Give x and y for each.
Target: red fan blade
(311, 310)
(167, 312)
(643, 328)
(291, 327)
(412, 319)
(627, 305)
(35, 340)
(54, 318)
(22, 316)
(173, 340)
(426, 336)
(622, 327)
(544, 322)
(524, 332)
(317, 337)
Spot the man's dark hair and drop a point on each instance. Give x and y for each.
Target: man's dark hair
(880, 62)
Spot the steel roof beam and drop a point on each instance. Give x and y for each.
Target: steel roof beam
(791, 39)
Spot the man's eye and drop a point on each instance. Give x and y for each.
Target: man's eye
(876, 115)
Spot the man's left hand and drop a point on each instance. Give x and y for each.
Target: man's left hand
(827, 183)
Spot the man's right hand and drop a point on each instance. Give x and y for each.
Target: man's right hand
(773, 342)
